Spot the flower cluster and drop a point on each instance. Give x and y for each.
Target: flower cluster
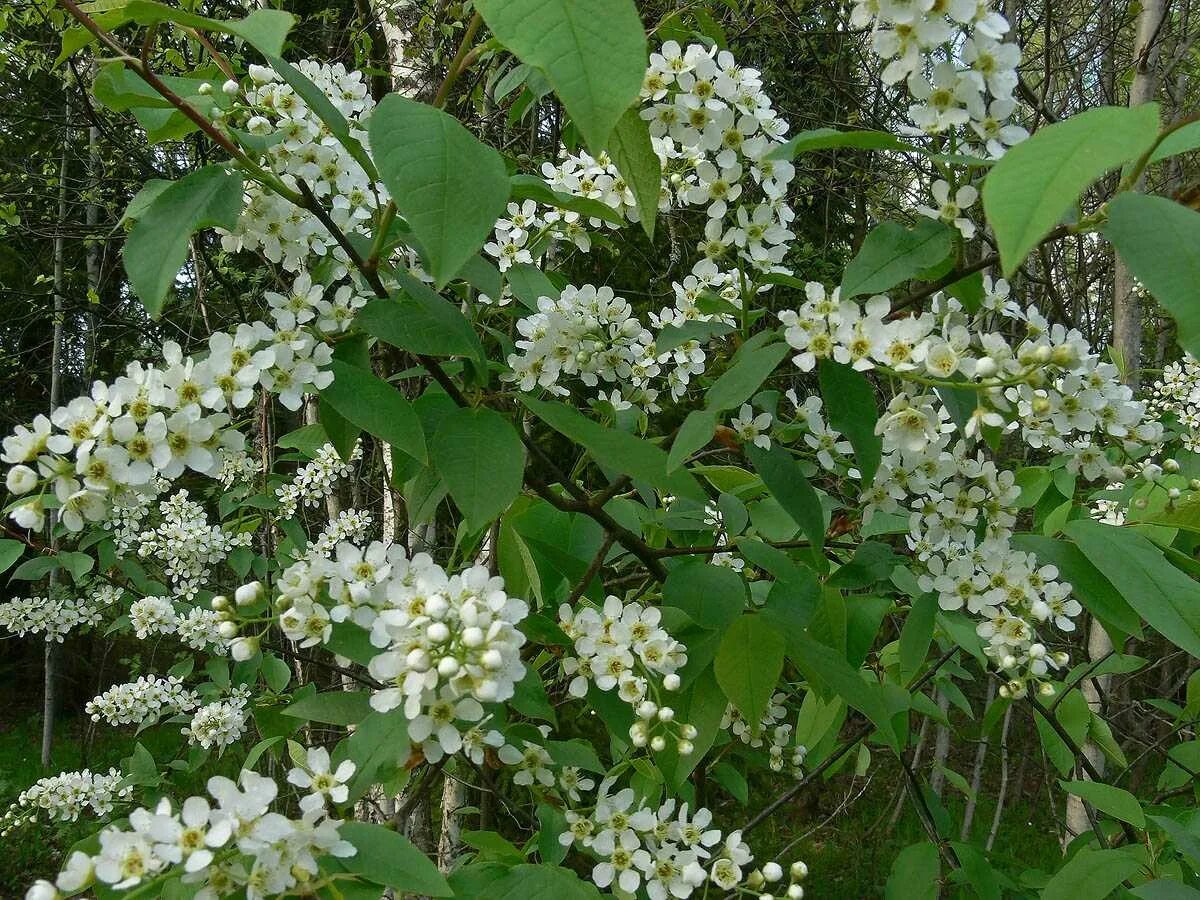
(144, 700)
(1050, 384)
(63, 797)
(316, 480)
(158, 422)
(772, 728)
(590, 335)
(670, 853)
(624, 646)
(58, 614)
(220, 723)
(953, 59)
(300, 148)
(273, 854)
(1177, 393)
(448, 643)
(185, 545)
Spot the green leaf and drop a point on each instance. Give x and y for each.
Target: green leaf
(156, 247)
(529, 284)
(617, 449)
(1163, 889)
(630, 148)
(1181, 140)
(482, 460)
(850, 407)
(892, 254)
(332, 707)
(593, 53)
(748, 664)
(578, 753)
(916, 636)
(308, 439)
(695, 432)
(449, 187)
(1090, 875)
(1161, 594)
(980, 874)
(353, 642)
(1160, 242)
(494, 846)
(1036, 182)
(421, 321)
(263, 29)
(532, 882)
(787, 484)
(712, 596)
(1118, 803)
(78, 564)
(35, 568)
(740, 381)
(831, 138)
(376, 407)
(553, 823)
(388, 858)
(380, 741)
(826, 668)
(914, 874)
(10, 552)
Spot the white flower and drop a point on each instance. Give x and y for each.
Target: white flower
(751, 428)
(322, 781)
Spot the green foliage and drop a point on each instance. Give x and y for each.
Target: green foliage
(332, 707)
(420, 321)
(390, 859)
(712, 596)
(1160, 242)
(893, 253)
(157, 246)
(1033, 186)
(850, 405)
(630, 148)
(748, 664)
(482, 460)
(915, 873)
(376, 407)
(449, 187)
(593, 53)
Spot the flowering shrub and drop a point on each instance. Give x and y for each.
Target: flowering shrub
(757, 476)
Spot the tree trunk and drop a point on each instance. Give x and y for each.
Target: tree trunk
(50, 657)
(1127, 307)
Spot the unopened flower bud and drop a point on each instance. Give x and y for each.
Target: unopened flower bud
(227, 630)
(473, 637)
(418, 660)
(1042, 354)
(985, 367)
(219, 602)
(637, 734)
(492, 659)
(243, 648)
(665, 714)
(248, 593)
(799, 870)
(230, 87)
(772, 871)
(689, 732)
(658, 743)
(1173, 493)
(755, 880)
(1170, 465)
(647, 709)
(671, 682)
(205, 89)
(685, 748)
(1008, 661)
(795, 892)
(1046, 689)
(438, 632)
(447, 667)
(1064, 356)
(21, 480)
